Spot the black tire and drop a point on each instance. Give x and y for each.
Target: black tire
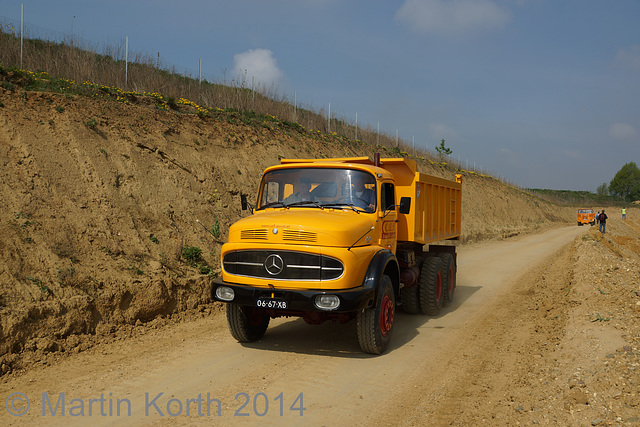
(431, 288)
(246, 324)
(375, 324)
(410, 300)
(448, 277)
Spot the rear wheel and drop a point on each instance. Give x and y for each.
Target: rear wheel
(246, 324)
(431, 290)
(410, 300)
(448, 277)
(375, 324)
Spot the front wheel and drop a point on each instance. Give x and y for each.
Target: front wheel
(375, 324)
(246, 324)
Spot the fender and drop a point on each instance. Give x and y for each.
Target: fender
(383, 262)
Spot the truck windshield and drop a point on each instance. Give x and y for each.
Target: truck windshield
(318, 187)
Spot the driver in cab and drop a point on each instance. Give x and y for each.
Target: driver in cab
(362, 196)
(301, 192)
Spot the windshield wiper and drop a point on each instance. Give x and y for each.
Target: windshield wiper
(305, 202)
(351, 205)
(272, 205)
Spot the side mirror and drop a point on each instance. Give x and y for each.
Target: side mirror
(405, 205)
(243, 201)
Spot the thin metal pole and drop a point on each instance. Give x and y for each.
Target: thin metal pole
(126, 62)
(329, 120)
(295, 106)
(199, 78)
(21, 31)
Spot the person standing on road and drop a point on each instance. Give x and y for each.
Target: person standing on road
(624, 213)
(603, 221)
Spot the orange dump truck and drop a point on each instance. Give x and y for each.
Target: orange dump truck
(342, 239)
(586, 216)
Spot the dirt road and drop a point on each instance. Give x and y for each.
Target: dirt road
(195, 373)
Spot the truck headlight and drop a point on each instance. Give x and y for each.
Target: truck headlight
(326, 302)
(225, 293)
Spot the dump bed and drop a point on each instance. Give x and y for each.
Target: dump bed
(436, 203)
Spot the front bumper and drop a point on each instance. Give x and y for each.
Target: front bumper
(353, 299)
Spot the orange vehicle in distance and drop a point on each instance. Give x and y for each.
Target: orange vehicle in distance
(586, 216)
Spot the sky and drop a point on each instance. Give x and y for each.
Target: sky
(541, 93)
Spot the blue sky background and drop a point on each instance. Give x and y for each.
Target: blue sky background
(544, 93)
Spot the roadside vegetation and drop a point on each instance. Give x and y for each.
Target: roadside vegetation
(68, 68)
(623, 188)
(576, 198)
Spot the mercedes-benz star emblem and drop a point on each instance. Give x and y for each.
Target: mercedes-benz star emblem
(274, 264)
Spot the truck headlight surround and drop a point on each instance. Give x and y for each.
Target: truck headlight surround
(326, 302)
(225, 293)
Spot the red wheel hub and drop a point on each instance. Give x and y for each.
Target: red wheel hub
(386, 315)
(256, 316)
(439, 286)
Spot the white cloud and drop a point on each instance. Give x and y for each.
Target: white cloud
(629, 57)
(439, 131)
(622, 131)
(451, 16)
(258, 64)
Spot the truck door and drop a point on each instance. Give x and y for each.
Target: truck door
(388, 216)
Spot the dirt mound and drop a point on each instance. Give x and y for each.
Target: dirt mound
(100, 198)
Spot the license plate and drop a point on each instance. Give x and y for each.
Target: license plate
(272, 303)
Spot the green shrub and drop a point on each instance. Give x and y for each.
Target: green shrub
(215, 229)
(191, 254)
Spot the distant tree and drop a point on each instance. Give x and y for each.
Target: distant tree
(602, 190)
(442, 150)
(626, 183)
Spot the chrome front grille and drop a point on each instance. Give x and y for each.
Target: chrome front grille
(282, 265)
